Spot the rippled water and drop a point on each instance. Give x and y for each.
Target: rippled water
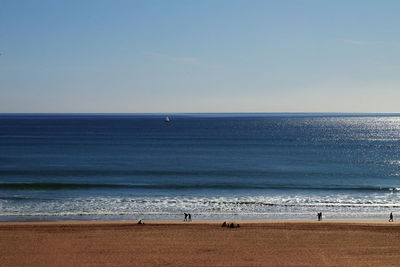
(215, 166)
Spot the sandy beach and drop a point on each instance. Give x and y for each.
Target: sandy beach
(204, 243)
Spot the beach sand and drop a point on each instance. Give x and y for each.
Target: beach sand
(162, 243)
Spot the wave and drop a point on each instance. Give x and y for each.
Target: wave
(211, 215)
(21, 198)
(159, 173)
(28, 199)
(60, 186)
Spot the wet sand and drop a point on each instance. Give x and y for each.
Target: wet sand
(205, 243)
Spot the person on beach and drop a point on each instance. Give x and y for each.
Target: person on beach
(186, 215)
(391, 217)
(190, 217)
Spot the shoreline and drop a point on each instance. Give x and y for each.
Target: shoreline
(204, 221)
(207, 222)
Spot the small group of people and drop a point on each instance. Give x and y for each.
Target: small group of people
(188, 217)
(230, 225)
(319, 216)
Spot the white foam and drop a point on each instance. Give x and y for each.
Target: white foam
(266, 206)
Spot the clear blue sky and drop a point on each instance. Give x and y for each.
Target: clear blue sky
(200, 56)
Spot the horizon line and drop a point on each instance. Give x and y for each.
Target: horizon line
(182, 113)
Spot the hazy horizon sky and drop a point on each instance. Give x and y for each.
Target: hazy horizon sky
(199, 56)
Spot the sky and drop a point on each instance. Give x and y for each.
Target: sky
(171, 56)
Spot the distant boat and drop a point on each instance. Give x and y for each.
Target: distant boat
(166, 119)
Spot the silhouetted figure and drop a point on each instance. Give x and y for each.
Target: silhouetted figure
(223, 224)
(238, 225)
(190, 217)
(319, 215)
(186, 215)
(231, 225)
(391, 217)
(140, 222)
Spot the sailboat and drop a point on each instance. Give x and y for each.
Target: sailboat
(166, 119)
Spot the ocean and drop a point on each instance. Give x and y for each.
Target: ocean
(214, 166)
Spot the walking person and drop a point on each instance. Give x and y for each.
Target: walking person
(186, 215)
(190, 217)
(391, 217)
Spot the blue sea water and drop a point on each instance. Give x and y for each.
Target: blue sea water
(215, 166)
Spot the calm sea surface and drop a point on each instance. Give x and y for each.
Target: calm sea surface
(215, 166)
